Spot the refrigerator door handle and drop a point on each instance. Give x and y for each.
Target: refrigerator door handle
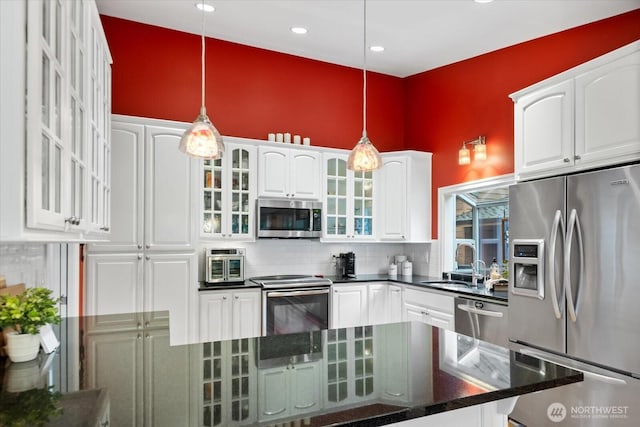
(558, 223)
(585, 372)
(574, 224)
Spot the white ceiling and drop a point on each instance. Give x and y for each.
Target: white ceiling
(418, 35)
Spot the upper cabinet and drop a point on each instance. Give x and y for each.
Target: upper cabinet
(348, 200)
(583, 118)
(229, 193)
(154, 188)
(290, 173)
(66, 75)
(404, 208)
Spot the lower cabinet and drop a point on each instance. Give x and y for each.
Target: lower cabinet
(228, 385)
(124, 283)
(230, 314)
(429, 307)
(137, 388)
(289, 391)
(368, 303)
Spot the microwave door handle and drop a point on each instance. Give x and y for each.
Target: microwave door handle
(558, 224)
(574, 224)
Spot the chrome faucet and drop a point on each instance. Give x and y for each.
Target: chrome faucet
(475, 274)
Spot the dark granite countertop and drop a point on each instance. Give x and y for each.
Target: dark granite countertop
(247, 284)
(362, 376)
(480, 291)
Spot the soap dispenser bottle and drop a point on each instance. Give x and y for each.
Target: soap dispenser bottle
(494, 270)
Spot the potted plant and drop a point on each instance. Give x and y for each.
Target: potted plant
(25, 314)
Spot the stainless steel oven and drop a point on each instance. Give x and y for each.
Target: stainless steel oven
(292, 304)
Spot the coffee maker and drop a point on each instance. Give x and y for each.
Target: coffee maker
(347, 265)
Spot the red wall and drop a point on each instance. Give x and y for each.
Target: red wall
(250, 92)
(470, 98)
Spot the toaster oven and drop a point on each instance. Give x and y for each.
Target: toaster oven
(224, 266)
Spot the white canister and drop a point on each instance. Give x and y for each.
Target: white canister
(407, 268)
(393, 270)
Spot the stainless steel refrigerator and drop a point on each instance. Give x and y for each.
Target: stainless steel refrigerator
(574, 293)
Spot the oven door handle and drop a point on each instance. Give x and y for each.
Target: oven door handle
(271, 294)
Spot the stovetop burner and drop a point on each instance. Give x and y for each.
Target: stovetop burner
(291, 281)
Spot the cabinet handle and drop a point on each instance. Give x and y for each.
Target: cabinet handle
(274, 412)
(147, 257)
(105, 228)
(147, 336)
(577, 157)
(305, 406)
(566, 160)
(139, 325)
(146, 324)
(105, 424)
(394, 394)
(147, 246)
(139, 246)
(236, 297)
(224, 297)
(139, 256)
(139, 336)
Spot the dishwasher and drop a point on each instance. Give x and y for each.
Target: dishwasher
(482, 319)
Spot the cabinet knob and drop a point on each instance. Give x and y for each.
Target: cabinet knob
(566, 160)
(236, 297)
(224, 297)
(147, 246)
(139, 256)
(105, 228)
(139, 325)
(139, 336)
(139, 246)
(147, 257)
(577, 157)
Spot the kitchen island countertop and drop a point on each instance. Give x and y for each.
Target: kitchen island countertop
(361, 376)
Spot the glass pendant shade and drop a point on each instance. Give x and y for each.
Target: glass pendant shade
(364, 157)
(202, 139)
(464, 156)
(480, 152)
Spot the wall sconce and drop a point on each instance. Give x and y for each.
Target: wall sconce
(479, 151)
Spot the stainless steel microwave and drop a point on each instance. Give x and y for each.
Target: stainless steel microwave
(289, 219)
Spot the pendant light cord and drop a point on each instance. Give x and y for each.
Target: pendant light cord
(202, 108)
(364, 74)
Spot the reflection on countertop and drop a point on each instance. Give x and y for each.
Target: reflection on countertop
(382, 374)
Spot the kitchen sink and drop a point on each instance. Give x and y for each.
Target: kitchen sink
(452, 285)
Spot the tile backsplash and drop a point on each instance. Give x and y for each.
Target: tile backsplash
(23, 263)
(277, 256)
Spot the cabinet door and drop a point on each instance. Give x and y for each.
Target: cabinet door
(363, 206)
(273, 394)
(413, 313)
(127, 189)
(273, 170)
(305, 388)
(378, 303)
(439, 319)
(215, 315)
(393, 199)
(166, 369)
(544, 129)
(170, 286)
(240, 201)
(246, 314)
(304, 174)
(169, 191)
(607, 111)
(349, 306)
(336, 197)
(394, 305)
(114, 286)
(114, 362)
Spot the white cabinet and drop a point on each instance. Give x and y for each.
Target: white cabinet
(58, 148)
(288, 391)
(349, 305)
(154, 188)
(288, 173)
(136, 388)
(404, 202)
(229, 314)
(228, 387)
(229, 193)
(429, 307)
(348, 201)
(385, 303)
(583, 118)
(126, 283)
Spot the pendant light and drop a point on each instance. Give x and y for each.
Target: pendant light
(364, 157)
(202, 139)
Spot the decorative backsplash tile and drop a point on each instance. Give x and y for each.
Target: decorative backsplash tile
(23, 263)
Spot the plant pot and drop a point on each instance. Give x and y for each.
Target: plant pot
(23, 376)
(22, 347)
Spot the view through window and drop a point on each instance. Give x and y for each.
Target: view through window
(482, 220)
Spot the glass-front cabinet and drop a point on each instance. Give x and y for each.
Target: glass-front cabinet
(68, 110)
(229, 194)
(349, 201)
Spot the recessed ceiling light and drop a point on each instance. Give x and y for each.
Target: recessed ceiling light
(205, 7)
(299, 30)
(376, 48)
(483, 1)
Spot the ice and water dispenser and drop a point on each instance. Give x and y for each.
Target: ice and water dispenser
(527, 267)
